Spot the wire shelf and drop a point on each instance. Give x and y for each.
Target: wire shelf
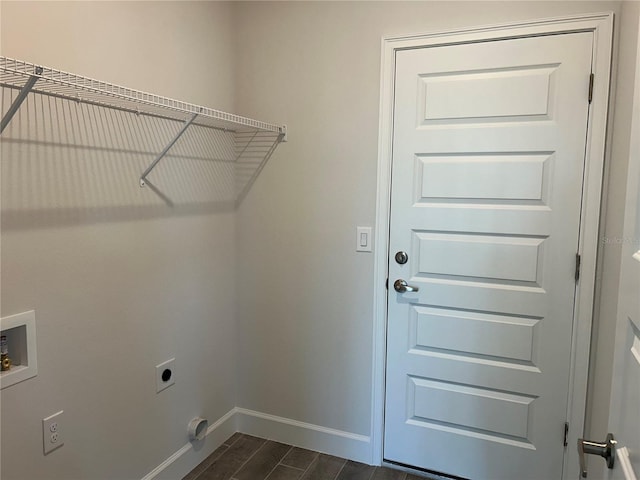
(254, 140)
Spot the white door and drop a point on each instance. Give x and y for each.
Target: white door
(624, 417)
(488, 161)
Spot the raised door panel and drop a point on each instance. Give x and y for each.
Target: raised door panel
(488, 155)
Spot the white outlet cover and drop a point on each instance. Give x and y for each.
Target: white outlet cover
(52, 432)
(161, 383)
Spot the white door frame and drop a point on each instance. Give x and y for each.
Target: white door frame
(602, 26)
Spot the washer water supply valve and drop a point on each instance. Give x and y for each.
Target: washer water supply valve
(5, 361)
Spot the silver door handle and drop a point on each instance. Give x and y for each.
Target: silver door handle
(606, 450)
(401, 286)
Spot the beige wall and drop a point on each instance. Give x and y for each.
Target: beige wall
(308, 300)
(119, 281)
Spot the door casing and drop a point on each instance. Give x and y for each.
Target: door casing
(602, 27)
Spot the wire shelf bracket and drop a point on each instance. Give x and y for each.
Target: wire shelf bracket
(143, 177)
(255, 141)
(24, 91)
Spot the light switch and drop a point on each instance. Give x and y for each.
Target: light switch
(363, 240)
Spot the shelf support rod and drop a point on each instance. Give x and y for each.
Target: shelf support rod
(24, 91)
(186, 125)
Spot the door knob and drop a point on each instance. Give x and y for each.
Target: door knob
(604, 449)
(401, 286)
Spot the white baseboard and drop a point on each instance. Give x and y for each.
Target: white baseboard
(306, 435)
(188, 457)
(292, 432)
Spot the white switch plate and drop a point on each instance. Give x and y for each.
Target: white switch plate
(52, 432)
(363, 239)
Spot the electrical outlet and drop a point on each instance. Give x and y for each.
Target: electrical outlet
(52, 432)
(165, 374)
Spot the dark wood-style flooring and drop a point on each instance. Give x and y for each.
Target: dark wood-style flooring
(243, 457)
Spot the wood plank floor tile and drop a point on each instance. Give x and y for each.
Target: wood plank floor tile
(244, 457)
(299, 458)
(384, 473)
(232, 439)
(282, 472)
(234, 458)
(356, 471)
(264, 460)
(325, 467)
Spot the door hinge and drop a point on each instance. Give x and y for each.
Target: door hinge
(591, 78)
(577, 272)
(386, 284)
(566, 434)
